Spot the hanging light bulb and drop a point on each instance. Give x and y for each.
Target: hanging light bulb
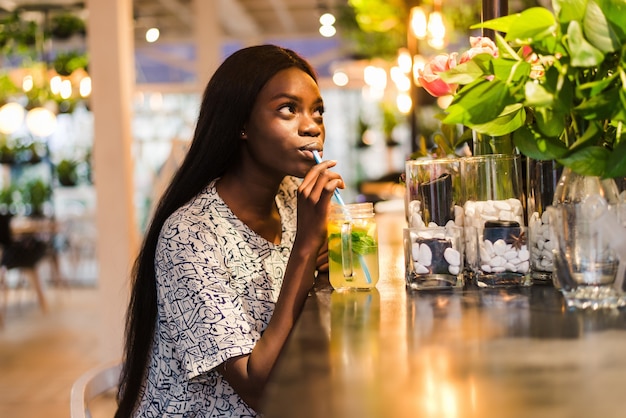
(152, 35)
(41, 122)
(327, 31)
(404, 60)
(55, 84)
(436, 30)
(66, 89)
(327, 19)
(418, 23)
(11, 117)
(340, 78)
(27, 83)
(85, 87)
(404, 103)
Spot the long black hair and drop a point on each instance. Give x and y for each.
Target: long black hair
(226, 106)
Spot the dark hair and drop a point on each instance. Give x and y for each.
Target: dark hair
(226, 106)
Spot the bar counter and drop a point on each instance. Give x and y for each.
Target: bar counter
(516, 352)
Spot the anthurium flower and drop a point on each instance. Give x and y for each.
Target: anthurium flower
(430, 79)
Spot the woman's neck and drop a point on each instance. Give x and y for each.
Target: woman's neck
(253, 201)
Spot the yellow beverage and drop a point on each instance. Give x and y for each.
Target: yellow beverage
(353, 247)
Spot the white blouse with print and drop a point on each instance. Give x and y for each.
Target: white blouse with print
(217, 283)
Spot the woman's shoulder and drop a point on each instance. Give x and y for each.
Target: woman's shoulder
(195, 212)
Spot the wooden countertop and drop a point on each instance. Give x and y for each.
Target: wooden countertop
(473, 353)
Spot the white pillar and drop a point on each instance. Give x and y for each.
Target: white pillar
(208, 36)
(111, 66)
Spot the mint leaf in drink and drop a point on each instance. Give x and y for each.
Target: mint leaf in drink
(362, 244)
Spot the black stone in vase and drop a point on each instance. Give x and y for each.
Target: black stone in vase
(504, 230)
(436, 197)
(437, 246)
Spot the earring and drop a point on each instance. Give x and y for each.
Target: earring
(243, 133)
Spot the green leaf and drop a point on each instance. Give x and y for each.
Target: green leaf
(510, 70)
(600, 106)
(615, 12)
(583, 54)
(620, 114)
(539, 148)
(550, 122)
(616, 164)
(533, 23)
(598, 30)
(590, 136)
(597, 86)
(589, 161)
(561, 88)
(477, 103)
(362, 244)
(465, 73)
(536, 95)
(500, 24)
(511, 119)
(568, 10)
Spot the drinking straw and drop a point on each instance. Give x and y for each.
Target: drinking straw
(318, 159)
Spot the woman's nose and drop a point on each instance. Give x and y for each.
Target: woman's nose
(310, 127)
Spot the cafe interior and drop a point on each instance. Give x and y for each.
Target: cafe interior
(482, 317)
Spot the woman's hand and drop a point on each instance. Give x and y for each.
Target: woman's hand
(322, 258)
(314, 196)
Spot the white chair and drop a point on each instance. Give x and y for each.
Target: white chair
(92, 383)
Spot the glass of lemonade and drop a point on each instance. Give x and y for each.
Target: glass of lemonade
(353, 246)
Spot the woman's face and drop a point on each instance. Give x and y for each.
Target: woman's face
(286, 124)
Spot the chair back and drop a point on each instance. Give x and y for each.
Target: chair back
(92, 383)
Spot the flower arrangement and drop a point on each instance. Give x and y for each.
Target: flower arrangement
(556, 80)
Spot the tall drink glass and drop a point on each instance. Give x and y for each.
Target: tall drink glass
(353, 246)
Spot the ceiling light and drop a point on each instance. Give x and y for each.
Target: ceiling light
(327, 19)
(41, 122)
(328, 31)
(152, 35)
(340, 78)
(11, 117)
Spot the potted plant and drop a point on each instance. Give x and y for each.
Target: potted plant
(36, 193)
(66, 172)
(556, 81)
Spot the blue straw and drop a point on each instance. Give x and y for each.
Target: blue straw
(318, 159)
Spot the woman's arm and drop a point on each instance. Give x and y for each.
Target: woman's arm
(248, 374)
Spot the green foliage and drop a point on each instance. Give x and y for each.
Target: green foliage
(66, 172)
(558, 84)
(16, 34)
(65, 25)
(67, 62)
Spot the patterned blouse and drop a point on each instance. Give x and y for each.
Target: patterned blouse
(217, 284)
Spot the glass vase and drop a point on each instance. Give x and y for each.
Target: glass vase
(583, 218)
(483, 144)
(541, 181)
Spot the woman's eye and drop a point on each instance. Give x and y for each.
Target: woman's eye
(319, 112)
(287, 109)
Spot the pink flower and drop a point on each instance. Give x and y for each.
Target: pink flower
(537, 69)
(479, 45)
(429, 77)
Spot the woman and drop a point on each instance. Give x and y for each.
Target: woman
(227, 261)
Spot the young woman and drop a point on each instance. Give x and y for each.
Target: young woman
(233, 246)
